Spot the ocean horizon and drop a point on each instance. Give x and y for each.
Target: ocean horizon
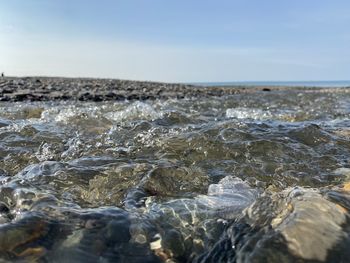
(330, 83)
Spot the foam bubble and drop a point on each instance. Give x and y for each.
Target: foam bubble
(135, 111)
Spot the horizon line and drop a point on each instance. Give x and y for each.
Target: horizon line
(179, 82)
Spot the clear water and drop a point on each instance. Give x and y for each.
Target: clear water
(246, 178)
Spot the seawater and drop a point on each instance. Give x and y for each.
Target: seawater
(325, 84)
(260, 177)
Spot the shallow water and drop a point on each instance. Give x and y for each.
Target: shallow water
(248, 178)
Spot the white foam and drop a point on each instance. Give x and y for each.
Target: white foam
(135, 111)
(229, 192)
(247, 113)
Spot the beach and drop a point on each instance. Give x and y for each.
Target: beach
(84, 89)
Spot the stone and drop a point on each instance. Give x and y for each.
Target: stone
(174, 180)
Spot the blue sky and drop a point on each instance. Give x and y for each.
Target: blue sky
(177, 40)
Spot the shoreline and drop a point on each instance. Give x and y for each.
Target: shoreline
(91, 89)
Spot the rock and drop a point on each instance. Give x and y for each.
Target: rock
(111, 188)
(4, 123)
(313, 226)
(174, 181)
(23, 240)
(311, 135)
(302, 222)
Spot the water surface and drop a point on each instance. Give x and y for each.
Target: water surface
(248, 178)
(325, 84)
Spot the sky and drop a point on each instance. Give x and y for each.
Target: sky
(177, 40)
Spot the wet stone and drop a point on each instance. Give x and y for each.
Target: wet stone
(172, 181)
(297, 223)
(4, 123)
(311, 135)
(305, 238)
(112, 187)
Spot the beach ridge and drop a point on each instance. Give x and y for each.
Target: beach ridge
(90, 89)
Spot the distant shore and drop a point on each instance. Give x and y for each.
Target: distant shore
(85, 89)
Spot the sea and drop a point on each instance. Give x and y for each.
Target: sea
(326, 84)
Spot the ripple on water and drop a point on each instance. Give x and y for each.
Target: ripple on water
(242, 178)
